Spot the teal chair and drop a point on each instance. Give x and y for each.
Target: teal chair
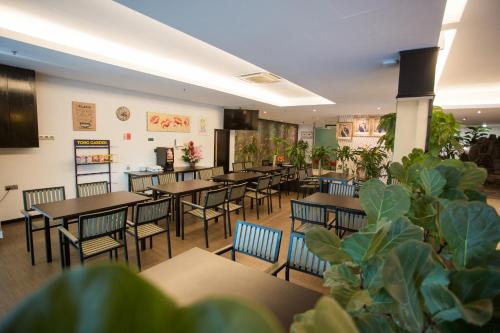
(349, 221)
(255, 240)
(309, 215)
(300, 259)
(345, 190)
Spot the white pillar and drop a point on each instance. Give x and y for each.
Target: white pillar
(412, 116)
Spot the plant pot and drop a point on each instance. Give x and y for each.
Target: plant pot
(192, 165)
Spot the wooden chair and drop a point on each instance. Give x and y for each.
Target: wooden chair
(140, 184)
(309, 215)
(209, 211)
(306, 185)
(218, 171)
(234, 202)
(238, 166)
(344, 190)
(275, 188)
(205, 174)
(34, 197)
(145, 224)
(300, 259)
(97, 234)
(247, 165)
(94, 188)
(167, 178)
(260, 192)
(348, 221)
(255, 240)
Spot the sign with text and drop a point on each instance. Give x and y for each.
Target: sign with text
(83, 116)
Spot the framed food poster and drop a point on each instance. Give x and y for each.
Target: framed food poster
(374, 131)
(164, 122)
(83, 116)
(361, 126)
(344, 131)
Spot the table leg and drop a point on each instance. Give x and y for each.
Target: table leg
(48, 243)
(182, 176)
(177, 199)
(67, 260)
(129, 183)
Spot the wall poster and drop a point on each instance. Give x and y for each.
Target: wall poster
(164, 122)
(83, 116)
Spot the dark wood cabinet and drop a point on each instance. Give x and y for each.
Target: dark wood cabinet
(18, 112)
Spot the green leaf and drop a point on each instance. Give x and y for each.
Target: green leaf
(472, 177)
(404, 268)
(326, 245)
(383, 203)
(374, 323)
(473, 195)
(327, 316)
(397, 171)
(371, 271)
(432, 182)
(356, 245)
(391, 234)
(474, 284)
(471, 229)
(452, 174)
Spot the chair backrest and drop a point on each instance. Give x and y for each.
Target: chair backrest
(167, 178)
(309, 213)
(257, 241)
(284, 172)
(309, 171)
(302, 174)
(292, 171)
(301, 259)
(344, 190)
(215, 198)
(275, 179)
(349, 220)
(42, 195)
(205, 174)
(248, 164)
(151, 211)
(102, 223)
(238, 166)
(141, 183)
(94, 188)
(263, 183)
(217, 171)
(236, 192)
(266, 163)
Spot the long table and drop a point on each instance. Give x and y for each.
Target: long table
(72, 208)
(179, 189)
(177, 170)
(333, 177)
(197, 274)
(334, 201)
(237, 177)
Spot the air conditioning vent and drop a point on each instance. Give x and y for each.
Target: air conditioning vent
(259, 78)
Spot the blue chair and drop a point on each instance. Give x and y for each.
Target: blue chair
(301, 259)
(255, 240)
(349, 221)
(344, 190)
(309, 215)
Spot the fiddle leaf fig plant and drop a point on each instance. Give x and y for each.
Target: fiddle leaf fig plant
(426, 261)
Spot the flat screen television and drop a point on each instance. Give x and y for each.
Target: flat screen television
(239, 119)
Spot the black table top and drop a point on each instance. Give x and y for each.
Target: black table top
(265, 169)
(196, 274)
(334, 201)
(337, 176)
(237, 177)
(74, 207)
(184, 187)
(183, 169)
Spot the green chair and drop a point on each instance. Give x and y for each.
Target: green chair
(31, 221)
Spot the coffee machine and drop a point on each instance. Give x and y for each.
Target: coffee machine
(165, 157)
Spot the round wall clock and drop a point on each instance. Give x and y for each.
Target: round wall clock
(123, 113)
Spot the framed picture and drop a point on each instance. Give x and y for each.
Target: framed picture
(163, 122)
(83, 116)
(361, 126)
(374, 127)
(344, 131)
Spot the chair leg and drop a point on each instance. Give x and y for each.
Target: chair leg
(182, 222)
(269, 205)
(229, 222)
(138, 253)
(243, 209)
(32, 248)
(125, 246)
(151, 242)
(26, 227)
(257, 207)
(61, 250)
(225, 229)
(169, 245)
(279, 199)
(206, 233)
(287, 273)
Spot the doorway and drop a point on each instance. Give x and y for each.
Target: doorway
(221, 149)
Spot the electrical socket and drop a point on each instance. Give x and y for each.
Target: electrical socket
(11, 187)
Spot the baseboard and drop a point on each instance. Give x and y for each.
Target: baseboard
(17, 219)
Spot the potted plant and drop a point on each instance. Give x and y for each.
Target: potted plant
(278, 144)
(250, 150)
(321, 155)
(191, 154)
(297, 154)
(344, 154)
(370, 162)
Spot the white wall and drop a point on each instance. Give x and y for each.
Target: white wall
(52, 163)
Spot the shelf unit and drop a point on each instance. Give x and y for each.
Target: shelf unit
(85, 144)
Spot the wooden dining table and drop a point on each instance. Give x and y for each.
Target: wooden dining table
(237, 177)
(73, 208)
(179, 171)
(197, 274)
(331, 201)
(178, 189)
(265, 169)
(333, 177)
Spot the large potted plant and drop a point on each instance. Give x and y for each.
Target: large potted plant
(344, 155)
(249, 150)
(321, 155)
(297, 154)
(370, 162)
(280, 144)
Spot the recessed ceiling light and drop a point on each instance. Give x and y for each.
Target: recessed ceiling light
(379, 108)
(265, 112)
(479, 111)
(485, 125)
(314, 110)
(464, 119)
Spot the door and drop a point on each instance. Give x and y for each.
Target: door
(221, 149)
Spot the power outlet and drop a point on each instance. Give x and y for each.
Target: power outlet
(11, 187)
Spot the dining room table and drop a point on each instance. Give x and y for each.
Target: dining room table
(265, 169)
(68, 209)
(197, 274)
(237, 177)
(330, 177)
(179, 189)
(179, 173)
(331, 201)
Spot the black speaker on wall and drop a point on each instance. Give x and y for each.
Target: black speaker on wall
(18, 113)
(416, 72)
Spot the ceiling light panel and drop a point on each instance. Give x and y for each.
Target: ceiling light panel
(81, 40)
